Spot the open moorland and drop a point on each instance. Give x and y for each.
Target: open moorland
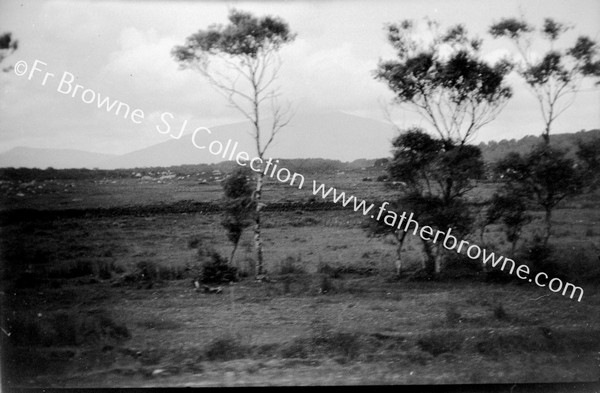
(97, 290)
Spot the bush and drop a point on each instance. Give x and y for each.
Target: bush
(541, 258)
(215, 269)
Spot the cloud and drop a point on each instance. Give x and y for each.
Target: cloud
(334, 78)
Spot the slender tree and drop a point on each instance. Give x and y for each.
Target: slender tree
(556, 75)
(511, 211)
(241, 62)
(546, 175)
(446, 81)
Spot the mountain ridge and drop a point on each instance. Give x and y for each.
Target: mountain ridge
(332, 136)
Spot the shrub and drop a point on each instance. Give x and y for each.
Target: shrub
(215, 269)
(540, 258)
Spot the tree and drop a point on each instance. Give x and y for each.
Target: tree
(241, 62)
(238, 206)
(436, 176)
(445, 80)
(556, 75)
(7, 46)
(545, 175)
(589, 162)
(511, 210)
(456, 92)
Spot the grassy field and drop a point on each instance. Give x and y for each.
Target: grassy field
(109, 300)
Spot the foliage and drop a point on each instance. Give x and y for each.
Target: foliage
(7, 46)
(437, 174)
(214, 268)
(544, 175)
(512, 211)
(588, 154)
(445, 80)
(557, 73)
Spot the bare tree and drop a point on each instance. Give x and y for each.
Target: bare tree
(241, 62)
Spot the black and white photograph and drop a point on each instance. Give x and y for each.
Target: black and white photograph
(300, 193)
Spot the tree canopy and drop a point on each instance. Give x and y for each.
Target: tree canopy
(445, 79)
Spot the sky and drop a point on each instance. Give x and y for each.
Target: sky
(121, 49)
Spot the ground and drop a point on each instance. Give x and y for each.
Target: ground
(105, 297)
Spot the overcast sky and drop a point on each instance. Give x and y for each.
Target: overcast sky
(121, 49)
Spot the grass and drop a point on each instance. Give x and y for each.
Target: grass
(331, 313)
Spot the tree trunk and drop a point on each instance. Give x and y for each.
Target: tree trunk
(430, 262)
(548, 230)
(233, 253)
(400, 236)
(439, 257)
(257, 237)
(546, 134)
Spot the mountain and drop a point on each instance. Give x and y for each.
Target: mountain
(336, 135)
(332, 136)
(30, 157)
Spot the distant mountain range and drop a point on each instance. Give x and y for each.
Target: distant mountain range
(336, 136)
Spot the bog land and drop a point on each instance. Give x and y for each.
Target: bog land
(97, 291)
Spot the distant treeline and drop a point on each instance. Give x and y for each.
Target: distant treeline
(494, 151)
(491, 151)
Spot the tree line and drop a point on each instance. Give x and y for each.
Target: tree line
(454, 90)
